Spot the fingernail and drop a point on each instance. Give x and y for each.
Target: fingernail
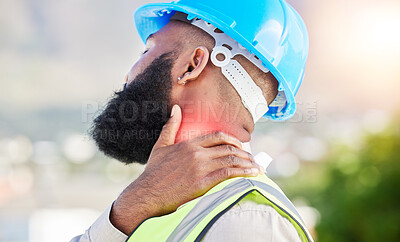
(255, 171)
(173, 110)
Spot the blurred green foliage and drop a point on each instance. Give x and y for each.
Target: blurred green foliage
(355, 189)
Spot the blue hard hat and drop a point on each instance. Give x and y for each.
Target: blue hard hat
(270, 29)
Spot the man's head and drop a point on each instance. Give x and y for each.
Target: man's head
(175, 69)
(208, 100)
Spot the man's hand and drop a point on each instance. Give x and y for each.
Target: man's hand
(178, 173)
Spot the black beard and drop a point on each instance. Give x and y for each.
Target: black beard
(131, 123)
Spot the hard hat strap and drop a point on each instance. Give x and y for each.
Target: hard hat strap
(251, 95)
(226, 47)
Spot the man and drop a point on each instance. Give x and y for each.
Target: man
(217, 67)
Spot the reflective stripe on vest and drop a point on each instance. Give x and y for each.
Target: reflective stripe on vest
(200, 214)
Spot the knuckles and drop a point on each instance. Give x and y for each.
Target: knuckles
(196, 154)
(225, 173)
(233, 160)
(219, 135)
(231, 149)
(183, 146)
(165, 126)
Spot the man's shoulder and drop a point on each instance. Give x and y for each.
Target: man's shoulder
(256, 211)
(251, 221)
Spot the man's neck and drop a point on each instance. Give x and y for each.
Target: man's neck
(200, 121)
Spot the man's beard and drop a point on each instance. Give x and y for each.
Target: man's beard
(131, 123)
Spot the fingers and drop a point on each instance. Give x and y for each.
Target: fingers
(228, 150)
(230, 156)
(217, 138)
(233, 162)
(225, 173)
(170, 129)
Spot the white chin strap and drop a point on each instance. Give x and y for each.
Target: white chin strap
(222, 56)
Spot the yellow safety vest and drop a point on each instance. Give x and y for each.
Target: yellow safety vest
(191, 221)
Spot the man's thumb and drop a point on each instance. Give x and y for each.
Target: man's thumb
(170, 129)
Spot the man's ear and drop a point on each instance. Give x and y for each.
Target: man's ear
(195, 66)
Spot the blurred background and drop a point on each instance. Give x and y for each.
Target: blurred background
(337, 159)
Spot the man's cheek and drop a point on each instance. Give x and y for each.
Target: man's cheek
(139, 67)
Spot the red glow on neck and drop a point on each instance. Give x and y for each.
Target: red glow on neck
(200, 120)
